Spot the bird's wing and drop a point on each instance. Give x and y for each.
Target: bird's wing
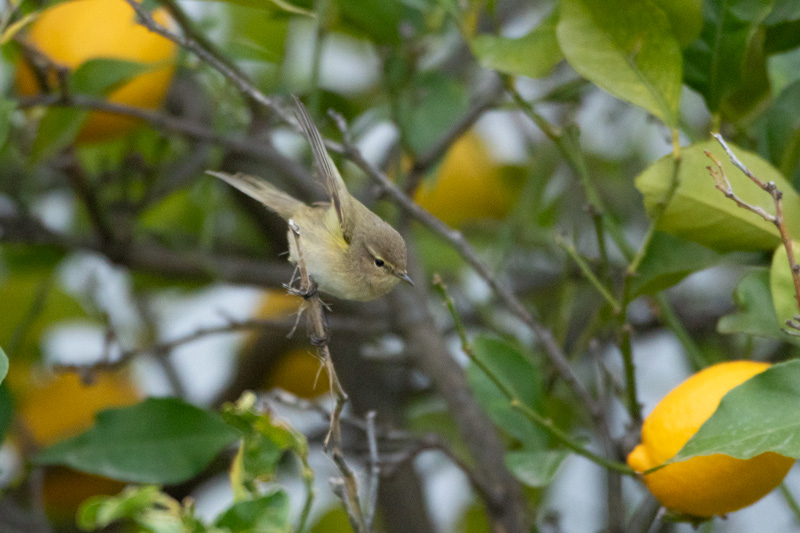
(334, 184)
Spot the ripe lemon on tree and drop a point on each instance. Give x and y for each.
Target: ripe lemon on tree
(76, 31)
(708, 485)
(468, 185)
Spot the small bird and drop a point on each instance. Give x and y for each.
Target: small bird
(349, 251)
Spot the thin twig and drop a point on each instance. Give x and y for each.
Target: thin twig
(316, 315)
(722, 183)
(150, 257)
(514, 400)
(374, 472)
(588, 273)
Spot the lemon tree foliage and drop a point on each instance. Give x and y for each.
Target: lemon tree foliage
(547, 165)
(629, 51)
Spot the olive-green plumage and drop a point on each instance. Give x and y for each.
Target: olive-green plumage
(348, 250)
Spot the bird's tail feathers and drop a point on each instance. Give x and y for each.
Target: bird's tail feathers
(276, 200)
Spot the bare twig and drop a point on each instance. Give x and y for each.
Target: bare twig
(722, 183)
(374, 471)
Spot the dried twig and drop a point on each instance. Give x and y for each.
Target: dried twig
(723, 185)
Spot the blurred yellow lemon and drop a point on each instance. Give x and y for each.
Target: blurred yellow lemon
(468, 185)
(54, 407)
(73, 32)
(709, 485)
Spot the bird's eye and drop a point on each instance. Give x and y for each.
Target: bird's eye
(379, 262)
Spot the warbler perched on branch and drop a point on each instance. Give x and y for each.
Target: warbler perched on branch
(349, 251)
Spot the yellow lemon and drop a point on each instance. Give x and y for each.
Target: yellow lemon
(468, 185)
(73, 32)
(709, 485)
(51, 408)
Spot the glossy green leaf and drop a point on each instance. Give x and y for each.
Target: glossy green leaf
(629, 51)
(760, 415)
(715, 64)
(57, 129)
(519, 374)
(535, 468)
(699, 212)
(667, 261)
(98, 77)
(534, 55)
(781, 284)
(685, 18)
(783, 27)
(161, 440)
(266, 514)
(755, 314)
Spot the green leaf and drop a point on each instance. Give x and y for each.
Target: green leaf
(667, 261)
(780, 130)
(7, 107)
(265, 441)
(535, 468)
(429, 108)
(629, 51)
(6, 409)
(685, 18)
(258, 34)
(267, 514)
(161, 440)
(534, 55)
(715, 64)
(760, 415)
(3, 365)
(98, 77)
(519, 374)
(38, 303)
(700, 213)
(783, 11)
(755, 313)
(100, 511)
(781, 284)
(57, 129)
(272, 5)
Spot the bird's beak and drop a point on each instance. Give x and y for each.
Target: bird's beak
(404, 277)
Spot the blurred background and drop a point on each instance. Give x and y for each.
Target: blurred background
(125, 272)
